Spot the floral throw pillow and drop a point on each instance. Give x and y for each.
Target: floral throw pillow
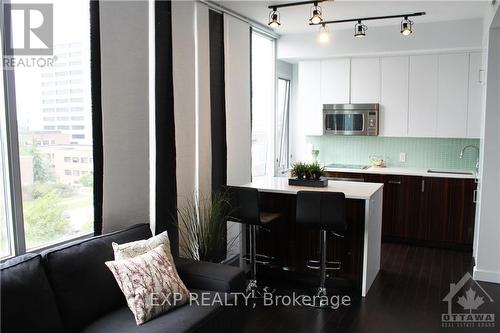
(134, 249)
(150, 283)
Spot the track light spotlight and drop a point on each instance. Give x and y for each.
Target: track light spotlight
(316, 14)
(406, 26)
(274, 18)
(360, 29)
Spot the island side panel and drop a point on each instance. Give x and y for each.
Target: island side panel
(372, 240)
(292, 245)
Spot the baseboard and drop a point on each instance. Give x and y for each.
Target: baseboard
(486, 276)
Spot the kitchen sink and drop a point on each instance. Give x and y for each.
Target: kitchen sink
(455, 172)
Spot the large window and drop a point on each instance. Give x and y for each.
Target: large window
(263, 91)
(50, 103)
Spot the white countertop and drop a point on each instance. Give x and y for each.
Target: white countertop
(352, 190)
(405, 172)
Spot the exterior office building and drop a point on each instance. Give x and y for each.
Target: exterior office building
(69, 162)
(65, 103)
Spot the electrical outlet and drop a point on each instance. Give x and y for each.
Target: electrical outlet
(402, 157)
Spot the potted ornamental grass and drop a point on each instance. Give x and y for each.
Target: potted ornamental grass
(308, 174)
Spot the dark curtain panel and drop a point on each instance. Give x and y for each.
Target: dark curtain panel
(166, 186)
(217, 101)
(95, 74)
(218, 105)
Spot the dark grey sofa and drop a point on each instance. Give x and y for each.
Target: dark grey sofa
(69, 289)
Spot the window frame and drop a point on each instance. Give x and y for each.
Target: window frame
(14, 206)
(13, 162)
(286, 129)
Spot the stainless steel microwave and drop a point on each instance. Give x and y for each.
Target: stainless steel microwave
(351, 119)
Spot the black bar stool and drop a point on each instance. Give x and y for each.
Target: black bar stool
(326, 212)
(245, 205)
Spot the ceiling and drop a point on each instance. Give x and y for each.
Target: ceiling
(295, 19)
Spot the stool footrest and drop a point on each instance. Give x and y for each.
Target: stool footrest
(260, 259)
(330, 265)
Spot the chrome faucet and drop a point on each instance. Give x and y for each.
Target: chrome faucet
(477, 160)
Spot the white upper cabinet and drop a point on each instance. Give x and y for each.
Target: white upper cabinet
(393, 96)
(453, 77)
(365, 80)
(475, 104)
(335, 78)
(309, 98)
(436, 95)
(423, 98)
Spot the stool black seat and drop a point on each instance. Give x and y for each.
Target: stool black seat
(325, 212)
(245, 209)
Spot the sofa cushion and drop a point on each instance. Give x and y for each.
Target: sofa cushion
(210, 276)
(27, 300)
(148, 275)
(188, 318)
(134, 249)
(84, 287)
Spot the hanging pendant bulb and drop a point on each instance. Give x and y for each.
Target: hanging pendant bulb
(274, 18)
(360, 30)
(316, 14)
(406, 27)
(324, 35)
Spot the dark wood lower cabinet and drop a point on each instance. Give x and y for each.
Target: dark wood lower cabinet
(447, 211)
(400, 214)
(428, 211)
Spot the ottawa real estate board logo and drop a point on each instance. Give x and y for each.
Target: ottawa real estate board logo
(468, 305)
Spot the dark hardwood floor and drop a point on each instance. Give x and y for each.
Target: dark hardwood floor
(406, 297)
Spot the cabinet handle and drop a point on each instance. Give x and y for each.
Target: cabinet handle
(423, 185)
(398, 182)
(343, 179)
(474, 197)
(480, 78)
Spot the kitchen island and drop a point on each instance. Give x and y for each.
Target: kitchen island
(292, 245)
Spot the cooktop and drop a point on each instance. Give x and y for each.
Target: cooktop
(348, 166)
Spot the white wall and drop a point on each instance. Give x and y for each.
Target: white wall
(124, 77)
(284, 70)
(465, 34)
(487, 242)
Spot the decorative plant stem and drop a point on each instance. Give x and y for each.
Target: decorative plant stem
(202, 227)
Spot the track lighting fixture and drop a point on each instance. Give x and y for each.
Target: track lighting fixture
(274, 18)
(316, 14)
(324, 35)
(315, 18)
(406, 26)
(360, 29)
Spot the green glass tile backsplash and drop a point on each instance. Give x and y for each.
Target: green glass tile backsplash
(420, 152)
